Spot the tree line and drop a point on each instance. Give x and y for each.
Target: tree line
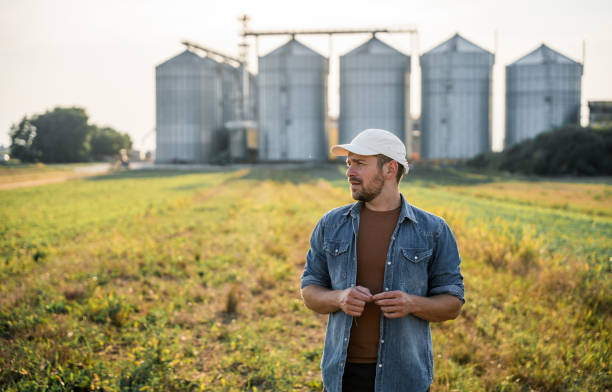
(64, 134)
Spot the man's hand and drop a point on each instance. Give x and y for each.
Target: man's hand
(353, 300)
(395, 304)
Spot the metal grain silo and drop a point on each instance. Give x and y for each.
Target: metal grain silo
(188, 108)
(292, 91)
(374, 90)
(456, 95)
(542, 92)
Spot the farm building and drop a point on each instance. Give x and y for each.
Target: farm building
(374, 90)
(456, 100)
(195, 96)
(542, 92)
(292, 104)
(600, 113)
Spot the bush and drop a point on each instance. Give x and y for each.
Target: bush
(569, 150)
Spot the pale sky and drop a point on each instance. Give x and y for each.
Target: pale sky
(101, 55)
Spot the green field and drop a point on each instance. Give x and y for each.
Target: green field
(174, 280)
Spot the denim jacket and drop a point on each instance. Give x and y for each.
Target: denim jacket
(422, 259)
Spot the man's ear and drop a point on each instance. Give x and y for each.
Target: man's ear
(392, 168)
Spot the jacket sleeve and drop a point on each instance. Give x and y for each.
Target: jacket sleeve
(315, 270)
(444, 272)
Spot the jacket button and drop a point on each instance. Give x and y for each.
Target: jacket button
(415, 257)
(380, 365)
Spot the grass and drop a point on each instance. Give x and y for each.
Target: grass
(592, 199)
(189, 281)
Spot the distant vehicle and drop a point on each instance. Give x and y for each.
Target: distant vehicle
(121, 160)
(125, 160)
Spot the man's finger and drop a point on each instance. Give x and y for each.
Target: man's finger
(354, 311)
(356, 301)
(386, 302)
(385, 294)
(355, 308)
(390, 309)
(360, 295)
(364, 290)
(392, 315)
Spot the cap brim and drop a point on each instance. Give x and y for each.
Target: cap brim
(343, 150)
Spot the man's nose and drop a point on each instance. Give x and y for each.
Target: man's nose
(349, 171)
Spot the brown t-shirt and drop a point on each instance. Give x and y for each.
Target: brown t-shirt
(375, 231)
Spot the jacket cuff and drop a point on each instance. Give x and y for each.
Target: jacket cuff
(453, 290)
(310, 280)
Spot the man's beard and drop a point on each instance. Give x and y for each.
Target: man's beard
(367, 194)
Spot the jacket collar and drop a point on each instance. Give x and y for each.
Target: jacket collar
(407, 211)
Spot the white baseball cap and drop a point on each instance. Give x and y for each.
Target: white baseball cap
(374, 142)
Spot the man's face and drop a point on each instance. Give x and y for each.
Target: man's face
(365, 177)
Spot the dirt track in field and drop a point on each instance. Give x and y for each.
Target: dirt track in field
(79, 172)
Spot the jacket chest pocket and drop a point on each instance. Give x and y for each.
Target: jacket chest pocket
(337, 253)
(413, 276)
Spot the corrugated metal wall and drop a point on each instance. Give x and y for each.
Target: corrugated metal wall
(374, 93)
(178, 105)
(195, 96)
(542, 92)
(292, 104)
(456, 95)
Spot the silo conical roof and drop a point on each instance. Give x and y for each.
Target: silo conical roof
(373, 46)
(457, 44)
(188, 57)
(543, 55)
(183, 57)
(294, 48)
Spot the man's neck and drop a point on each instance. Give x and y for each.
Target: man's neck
(389, 199)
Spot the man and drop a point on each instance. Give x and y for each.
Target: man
(382, 269)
